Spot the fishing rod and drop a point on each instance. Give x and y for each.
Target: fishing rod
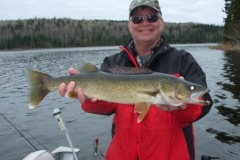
(20, 133)
(95, 146)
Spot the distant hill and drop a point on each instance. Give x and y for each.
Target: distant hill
(53, 33)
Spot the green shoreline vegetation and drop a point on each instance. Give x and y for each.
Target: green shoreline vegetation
(231, 28)
(58, 33)
(226, 47)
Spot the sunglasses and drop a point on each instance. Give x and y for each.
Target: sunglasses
(139, 19)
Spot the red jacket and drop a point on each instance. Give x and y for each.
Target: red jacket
(161, 135)
(158, 137)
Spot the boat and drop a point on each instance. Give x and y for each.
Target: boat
(61, 152)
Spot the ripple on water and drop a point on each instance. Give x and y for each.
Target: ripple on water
(218, 132)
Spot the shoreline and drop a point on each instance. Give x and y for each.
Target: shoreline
(98, 47)
(226, 47)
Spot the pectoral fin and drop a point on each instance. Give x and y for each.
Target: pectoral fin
(141, 108)
(72, 94)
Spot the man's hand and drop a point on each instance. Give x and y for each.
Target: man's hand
(64, 88)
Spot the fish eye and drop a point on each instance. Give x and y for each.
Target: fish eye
(192, 88)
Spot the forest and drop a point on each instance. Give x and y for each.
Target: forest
(231, 31)
(64, 32)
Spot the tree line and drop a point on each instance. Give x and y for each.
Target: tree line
(54, 33)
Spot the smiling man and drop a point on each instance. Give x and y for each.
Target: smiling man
(145, 25)
(165, 133)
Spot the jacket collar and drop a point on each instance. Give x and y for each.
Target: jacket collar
(161, 47)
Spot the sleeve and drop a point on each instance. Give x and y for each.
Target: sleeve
(105, 65)
(191, 71)
(99, 107)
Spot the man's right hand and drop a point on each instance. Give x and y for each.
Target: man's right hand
(63, 88)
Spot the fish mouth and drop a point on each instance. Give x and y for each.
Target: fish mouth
(196, 97)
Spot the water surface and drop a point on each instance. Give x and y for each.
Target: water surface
(217, 134)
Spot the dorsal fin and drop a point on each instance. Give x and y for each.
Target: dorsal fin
(129, 70)
(88, 67)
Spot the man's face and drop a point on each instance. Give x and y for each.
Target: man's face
(146, 32)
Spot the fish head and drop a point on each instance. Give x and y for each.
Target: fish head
(190, 93)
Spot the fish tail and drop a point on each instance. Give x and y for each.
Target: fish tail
(38, 88)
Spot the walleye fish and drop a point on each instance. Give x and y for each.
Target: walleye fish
(140, 87)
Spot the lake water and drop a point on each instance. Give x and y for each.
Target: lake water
(217, 134)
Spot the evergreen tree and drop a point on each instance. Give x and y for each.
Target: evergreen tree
(232, 22)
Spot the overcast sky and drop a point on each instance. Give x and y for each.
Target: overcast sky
(202, 11)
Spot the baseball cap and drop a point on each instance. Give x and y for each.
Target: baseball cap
(150, 3)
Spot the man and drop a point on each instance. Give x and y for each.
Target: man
(165, 134)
